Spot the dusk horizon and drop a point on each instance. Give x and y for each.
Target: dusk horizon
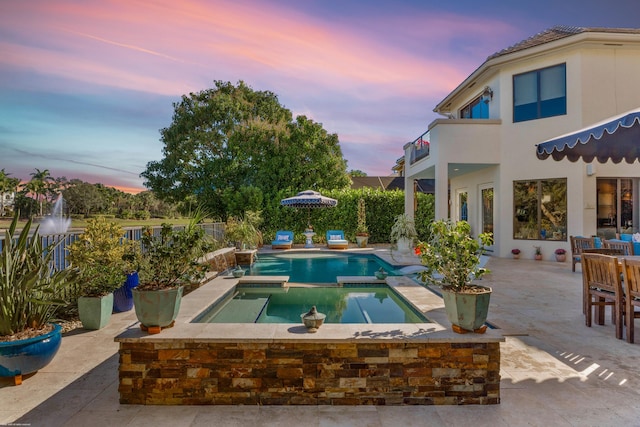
(86, 87)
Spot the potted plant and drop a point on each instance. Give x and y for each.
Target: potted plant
(561, 255)
(403, 232)
(123, 296)
(538, 253)
(99, 255)
(515, 253)
(170, 261)
(31, 291)
(243, 231)
(362, 232)
(452, 261)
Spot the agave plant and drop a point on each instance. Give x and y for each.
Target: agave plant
(31, 287)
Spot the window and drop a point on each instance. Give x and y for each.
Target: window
(540, 209)
(539, 94)
(477, 109)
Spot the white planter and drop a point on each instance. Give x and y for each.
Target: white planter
(405, 245)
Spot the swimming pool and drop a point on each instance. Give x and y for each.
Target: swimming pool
(317, 267)
(350, 304)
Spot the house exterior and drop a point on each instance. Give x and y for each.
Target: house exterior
(7, 202)
(389, 183)
(482, 154)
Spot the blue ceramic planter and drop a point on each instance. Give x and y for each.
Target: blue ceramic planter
(123, 297)
(26, 356)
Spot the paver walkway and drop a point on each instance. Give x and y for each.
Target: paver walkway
(555, 372)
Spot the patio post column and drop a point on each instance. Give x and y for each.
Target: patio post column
(441, 191)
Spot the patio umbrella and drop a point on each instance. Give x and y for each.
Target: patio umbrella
(309, 199)
(615, 138)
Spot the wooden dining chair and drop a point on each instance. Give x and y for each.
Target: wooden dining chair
(579, 244)
(626, 247)
(631, 274)
(603, 287)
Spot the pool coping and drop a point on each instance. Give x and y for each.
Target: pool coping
(419, 296)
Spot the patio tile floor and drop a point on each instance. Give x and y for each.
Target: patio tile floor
(555, 371)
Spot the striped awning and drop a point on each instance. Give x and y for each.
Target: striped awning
(309, 199)
(614, 139)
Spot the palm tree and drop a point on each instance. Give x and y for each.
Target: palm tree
(39, 184)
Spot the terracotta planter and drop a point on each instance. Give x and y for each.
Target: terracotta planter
(538, 257)
(467, 312)
(23, 357)
(561, 257)
(516, 256)
(157, 309)
(95, 312)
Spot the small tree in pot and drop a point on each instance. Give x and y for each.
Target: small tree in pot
(99, 255)
(362, 232)
(452, 261)
(170, 261)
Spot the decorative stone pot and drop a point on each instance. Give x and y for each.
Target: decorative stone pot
(381, 275)
(538, 257)
(467, 312)
(313, 319)
(362, 241)
(157, 309)
(561, 257)
(516, 256)
(95, 312)
(23, 357)
(123, 297)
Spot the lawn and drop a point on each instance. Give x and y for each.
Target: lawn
(82, 223)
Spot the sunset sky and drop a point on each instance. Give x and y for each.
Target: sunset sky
(86, 85)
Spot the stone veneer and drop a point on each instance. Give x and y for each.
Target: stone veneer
(362, 372)
(341, 364)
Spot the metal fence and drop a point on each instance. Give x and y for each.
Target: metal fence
(62, 241)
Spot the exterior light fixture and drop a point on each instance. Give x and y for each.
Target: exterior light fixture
(487, 95)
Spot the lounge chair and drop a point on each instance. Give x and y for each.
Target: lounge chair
(336, 240)
(283, 240)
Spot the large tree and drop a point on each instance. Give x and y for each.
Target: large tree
(235, 138)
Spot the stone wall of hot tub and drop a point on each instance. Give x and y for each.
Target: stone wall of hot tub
(190, 372)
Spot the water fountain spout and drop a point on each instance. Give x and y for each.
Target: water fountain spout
(56, 222)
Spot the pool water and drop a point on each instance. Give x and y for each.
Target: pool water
(352, 304)
(317, 267)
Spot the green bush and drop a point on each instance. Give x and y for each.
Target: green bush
(382, 209)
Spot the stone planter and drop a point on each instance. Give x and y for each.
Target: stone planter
(467, 312)
(561, 257)
(95, 312)
(22, 357)
(157, 309)
(362, 241)
(405, 245)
